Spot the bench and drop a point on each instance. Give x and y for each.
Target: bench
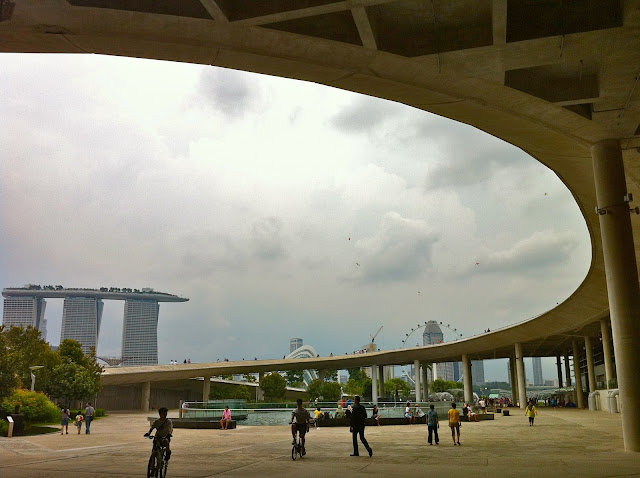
(197, 424)
(481, 417)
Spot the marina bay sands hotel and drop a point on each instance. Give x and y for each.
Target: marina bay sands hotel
(82, 316)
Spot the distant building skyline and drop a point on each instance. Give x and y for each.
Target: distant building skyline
(433, 335)
(537, 371)
(25, 312)
(82, 316)
(140, 332)
(295, 343)
(81, 321)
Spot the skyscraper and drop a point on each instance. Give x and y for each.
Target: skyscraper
(81, 318)
(24, 312)
(294, 344)
(477, 371)
(140, 332)
(433, 335)
(537, 371)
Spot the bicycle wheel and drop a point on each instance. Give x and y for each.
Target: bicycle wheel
(294, 452)
(163, 468)
(152, 468)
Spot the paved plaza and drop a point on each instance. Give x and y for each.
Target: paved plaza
(561, 443)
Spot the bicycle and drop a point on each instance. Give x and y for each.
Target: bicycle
(158, 463)
(297, 450)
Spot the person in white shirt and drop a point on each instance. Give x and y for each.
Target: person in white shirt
(408, 414)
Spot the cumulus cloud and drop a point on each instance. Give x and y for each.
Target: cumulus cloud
(226, 91)
(400, 250)
(542, 250)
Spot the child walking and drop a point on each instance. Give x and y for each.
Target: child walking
(531, 412)
(78, 421)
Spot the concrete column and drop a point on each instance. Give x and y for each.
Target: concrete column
(522, 384)
(577, 374)
(381, 392)
(605, 330)
(146, 396)
(206, 388)
(622, 281)
(434, 371)
(374, 384)
(567, 369)
(591, 373)
(467, 378)
(425, 383)
(559, 365)
(514, 379)
(260, 391)
(416, 377)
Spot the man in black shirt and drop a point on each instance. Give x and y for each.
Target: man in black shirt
(358, 416)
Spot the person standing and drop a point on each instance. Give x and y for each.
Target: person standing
(433, 423)
(454, 423)
(88, 417)
(531, 412)
(358, 416)
(65, 420)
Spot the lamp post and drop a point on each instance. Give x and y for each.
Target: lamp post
(33, 368)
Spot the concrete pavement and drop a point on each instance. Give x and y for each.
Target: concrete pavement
(561, 443)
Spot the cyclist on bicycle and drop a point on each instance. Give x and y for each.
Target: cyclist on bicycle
(301, 425)
(164, 429)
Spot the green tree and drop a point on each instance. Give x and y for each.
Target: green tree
(444, 385)
(26, 348)
(250, 378)
(273, 385)
(397, 387)
(241, 392)
(357, 374)
(71, 381)
(315, 389)
(331, 375)
(78, 375)
(331, 391)
(295, 378)
(8, 373)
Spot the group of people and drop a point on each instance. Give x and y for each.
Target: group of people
(175, 362)
(87, 418)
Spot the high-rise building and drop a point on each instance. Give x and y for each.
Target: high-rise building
(295, 344)
(477, 371)
(433, 335)
(537, 371)
(24, 312)
(81, 318)
(140, 332)
(509, 371)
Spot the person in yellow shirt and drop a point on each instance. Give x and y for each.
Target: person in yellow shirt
(454, 423)
(531, 412)
(318, 415)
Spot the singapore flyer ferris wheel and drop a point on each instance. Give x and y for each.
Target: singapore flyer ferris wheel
(430, 333)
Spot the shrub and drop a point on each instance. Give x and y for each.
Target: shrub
(4, 428)
(100, 412)
(35, 406)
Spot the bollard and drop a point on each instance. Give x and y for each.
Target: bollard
(10, 431)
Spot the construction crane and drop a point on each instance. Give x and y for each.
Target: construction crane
(371, 347)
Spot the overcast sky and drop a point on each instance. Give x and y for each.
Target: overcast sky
(279, 208)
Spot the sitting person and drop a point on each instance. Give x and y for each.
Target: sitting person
(418, 413)
(226, 418)
(348, 412)
(339, 412)
(376, 414)
(408, 414)
(471, 415)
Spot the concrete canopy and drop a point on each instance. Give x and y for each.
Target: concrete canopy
(550, 77)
